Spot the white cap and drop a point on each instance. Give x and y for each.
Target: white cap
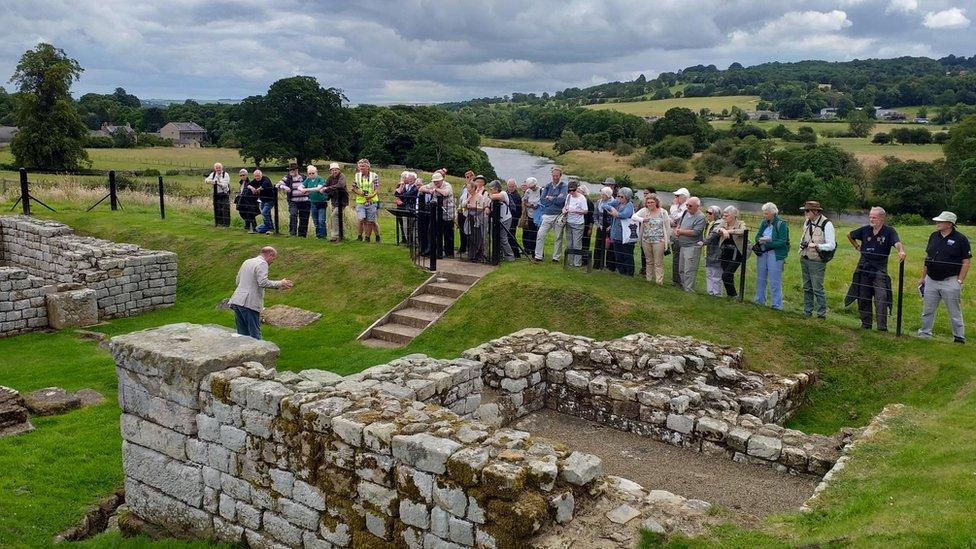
(683, 192)
(438, 176)
(945, 216)
(334, 166)
(242, 172)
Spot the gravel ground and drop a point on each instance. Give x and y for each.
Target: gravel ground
(749, 491)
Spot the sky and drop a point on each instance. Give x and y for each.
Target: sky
(420, 51)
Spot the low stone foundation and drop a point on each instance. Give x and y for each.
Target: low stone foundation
(677, 390)
(40, 259)
(219, 445)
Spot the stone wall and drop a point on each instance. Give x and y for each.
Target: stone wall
(217, 444)
(22, 304)
(127, 279)
(677, 390)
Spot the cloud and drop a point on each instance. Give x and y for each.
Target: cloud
(904, 6)
(952, 18)
(430, 50)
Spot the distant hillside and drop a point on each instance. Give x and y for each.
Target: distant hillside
(797, 90)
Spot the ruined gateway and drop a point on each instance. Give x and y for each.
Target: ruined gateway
(219, 445)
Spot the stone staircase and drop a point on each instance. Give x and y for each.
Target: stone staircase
(425, 305)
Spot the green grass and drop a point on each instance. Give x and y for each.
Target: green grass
(657, 107)
(924, 468)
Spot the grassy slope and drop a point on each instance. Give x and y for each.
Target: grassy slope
(72, 460)
(657, 107)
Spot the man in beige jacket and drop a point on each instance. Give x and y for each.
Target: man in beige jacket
(248, 299)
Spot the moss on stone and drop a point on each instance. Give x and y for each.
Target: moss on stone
(220, 387)
(510, 522)
(462, 473)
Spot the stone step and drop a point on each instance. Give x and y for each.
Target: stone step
(380, 343)
(395, 333)
(447, 289)
(459, 278)
(414, 316)
(430, 302)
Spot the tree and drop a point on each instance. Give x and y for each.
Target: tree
(297, 119)
(568, 141)
(960, 146)
(964, 198)
(860, 123)
(881, 138)
(435, 140)
(52, 134)
(683, 121)
(911, 187)
(835, 194)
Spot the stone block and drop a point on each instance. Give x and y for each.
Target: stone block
(764, 447)
(423, 451)
(72, 309)
(579, 468)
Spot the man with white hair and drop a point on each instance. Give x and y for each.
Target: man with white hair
(947, 259)
(689, 232)
(220, 181)
(871, 281)
(677, 210)
(335, 187)
(248, 299)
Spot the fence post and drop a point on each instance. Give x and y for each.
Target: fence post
(113, 198)
(162, 205)
(24, 192)
(342, 220)
(276, 212)
(496, 232)
(742, 271)
(901, 287)
(436, 228)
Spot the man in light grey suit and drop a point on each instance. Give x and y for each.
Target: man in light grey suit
(248, 299)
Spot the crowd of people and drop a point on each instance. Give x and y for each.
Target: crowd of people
(618, 223)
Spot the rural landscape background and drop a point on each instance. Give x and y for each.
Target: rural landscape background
(892, 130)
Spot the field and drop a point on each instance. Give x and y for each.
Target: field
(657, 107)
(913, 486)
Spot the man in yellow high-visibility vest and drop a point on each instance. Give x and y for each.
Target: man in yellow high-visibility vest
(365, 186)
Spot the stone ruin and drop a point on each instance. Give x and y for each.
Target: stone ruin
(13, 413)
(50, 277)
(217, 444)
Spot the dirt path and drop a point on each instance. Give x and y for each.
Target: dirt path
(749, 491)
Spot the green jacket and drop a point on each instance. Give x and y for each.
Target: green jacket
(313, 184)
(781, 237)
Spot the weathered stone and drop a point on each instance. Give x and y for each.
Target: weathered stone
(765, 447)
(423, 451)
(563, 506)
(580, 468)
(72, 309)
(50, 401)
(681, 424)
(622, 514)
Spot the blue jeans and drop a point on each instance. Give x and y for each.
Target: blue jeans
(248, 321)
(268, 225)
(769, 269)
(318, 218)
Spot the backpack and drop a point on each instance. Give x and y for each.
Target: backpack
(828, 255)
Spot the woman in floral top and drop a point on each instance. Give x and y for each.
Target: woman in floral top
(655, 236)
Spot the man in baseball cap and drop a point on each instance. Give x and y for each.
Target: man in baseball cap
(677, 211)
(947, 259)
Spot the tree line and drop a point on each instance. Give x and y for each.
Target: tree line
(297, 119)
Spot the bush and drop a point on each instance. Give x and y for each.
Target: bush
(940, 137)
(672, 146)
(672, 164)
(781, 132)
(623, 148)
(151, 172)
(172, 172)
(709, 164)
(624, 180)
(596, 141)
(913, 136)
(881, 138)
(835, 194)
(744, 130)
(911, 219)
(99, 142)
(805, 134)
(154, 140)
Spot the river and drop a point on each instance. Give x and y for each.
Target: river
(518, 164)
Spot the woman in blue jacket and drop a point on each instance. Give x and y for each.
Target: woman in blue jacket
(772, 246)
(621, 210)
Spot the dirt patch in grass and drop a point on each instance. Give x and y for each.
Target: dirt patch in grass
(750, 492)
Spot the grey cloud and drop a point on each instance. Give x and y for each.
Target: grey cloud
(430, 50)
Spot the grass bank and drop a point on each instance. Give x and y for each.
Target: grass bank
(922, 469)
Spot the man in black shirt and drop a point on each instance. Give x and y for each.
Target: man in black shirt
(947, 259)
(871, 280)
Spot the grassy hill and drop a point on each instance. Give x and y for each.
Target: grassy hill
(913, 486)
(657, 107)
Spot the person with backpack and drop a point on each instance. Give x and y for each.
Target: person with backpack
(817, 246)
(772, 245)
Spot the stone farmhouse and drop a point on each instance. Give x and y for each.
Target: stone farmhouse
(183, 134)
